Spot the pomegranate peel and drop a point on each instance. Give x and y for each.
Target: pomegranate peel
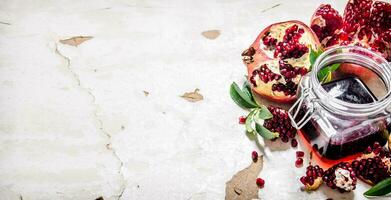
(317, 183)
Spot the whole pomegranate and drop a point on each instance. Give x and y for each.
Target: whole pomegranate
(365, 23)
(278, 58)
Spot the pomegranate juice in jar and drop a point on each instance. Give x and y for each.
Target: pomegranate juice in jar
(349, 108)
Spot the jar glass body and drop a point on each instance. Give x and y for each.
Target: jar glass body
(336, 128)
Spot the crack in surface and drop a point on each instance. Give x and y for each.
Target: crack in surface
(5, 23)
(267, 9)
(99, 120)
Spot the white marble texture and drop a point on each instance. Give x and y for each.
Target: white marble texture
(75, 123)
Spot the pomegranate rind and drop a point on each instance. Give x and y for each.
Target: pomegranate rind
(317, 183)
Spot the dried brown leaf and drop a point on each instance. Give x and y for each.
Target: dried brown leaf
(146, 93)
(211, 34)
(75, 41)
(243, 185)
(193, 96)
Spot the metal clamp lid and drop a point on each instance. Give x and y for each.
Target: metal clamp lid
(298, 106)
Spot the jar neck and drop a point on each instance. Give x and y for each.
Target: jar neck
(354, 55)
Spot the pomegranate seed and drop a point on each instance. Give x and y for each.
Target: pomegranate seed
(302, 180)
(377, 150)
(260, 182)
(299, 162)
(285, 139)
(376, 145)
(254, 156)
(299, 154)
(294, 143)
(369, 150)
(309, 173)
(242, 119)
(310, 180)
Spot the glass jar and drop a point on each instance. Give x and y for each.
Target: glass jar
(337, 128)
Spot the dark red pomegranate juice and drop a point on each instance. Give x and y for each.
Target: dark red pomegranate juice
(344, 135)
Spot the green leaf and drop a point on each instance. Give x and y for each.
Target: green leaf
(380, 189)
(265, 133)
(250, 121)
(327, 78)
(264, 113)
(246, 88)
(334, 67)
(256, 117)
(325, 74)
(240, 98)
(313, 55)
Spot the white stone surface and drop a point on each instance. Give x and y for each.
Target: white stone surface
(75, 123)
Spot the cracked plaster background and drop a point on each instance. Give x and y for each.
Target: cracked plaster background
(75, 123)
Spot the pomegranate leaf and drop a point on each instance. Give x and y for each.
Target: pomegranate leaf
(327, 78)
(313, 55)
(325, 74)
(380, 189)
(246, 88)
(258, 116)
(250, 121)
(265, 133)
(240, 98)
(264, 113)
(257, 119)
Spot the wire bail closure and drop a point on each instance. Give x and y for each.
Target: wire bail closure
(297, 107)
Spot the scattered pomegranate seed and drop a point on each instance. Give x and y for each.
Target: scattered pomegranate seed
(254, 156)
(242, 119)
(299, 162)
(260, 182)
(299, 154)
(294, 143)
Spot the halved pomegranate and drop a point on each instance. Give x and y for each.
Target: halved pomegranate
(278, 58)
(365, 23)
